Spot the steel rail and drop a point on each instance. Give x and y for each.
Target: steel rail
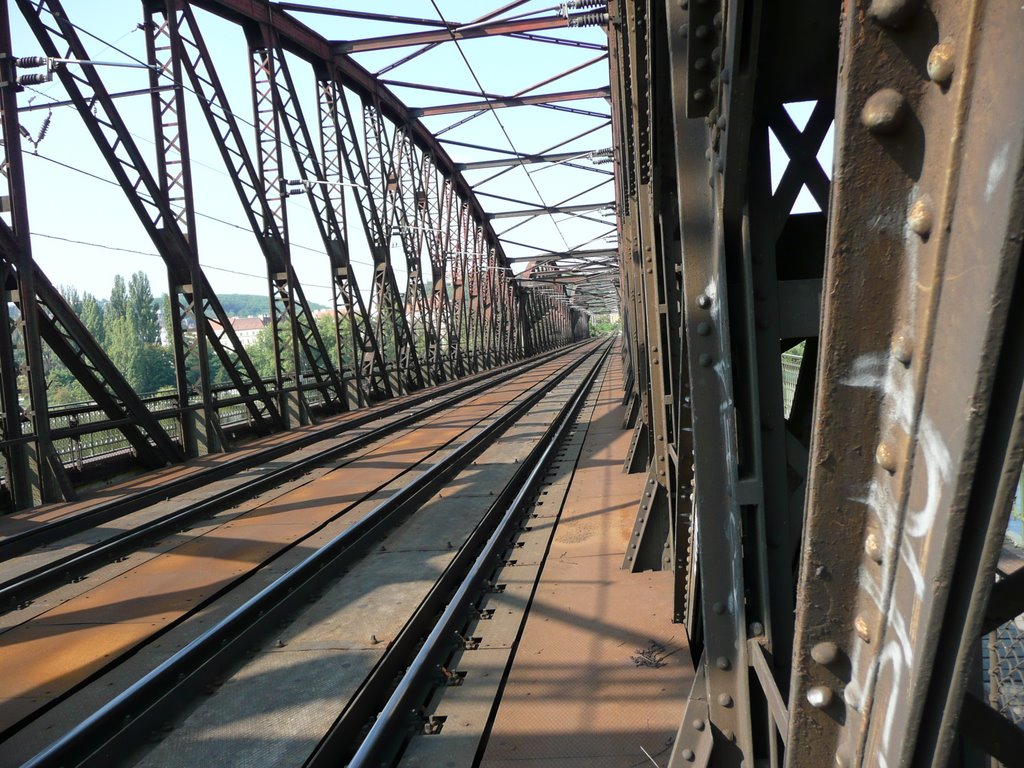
(104, 512)
(131, 715)
(25, 587)
(440, 614)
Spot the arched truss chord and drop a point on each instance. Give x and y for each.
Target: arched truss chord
(458, 309)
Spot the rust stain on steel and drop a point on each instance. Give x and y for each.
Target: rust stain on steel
(46, 657)
(574, 690)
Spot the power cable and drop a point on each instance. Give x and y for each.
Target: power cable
(501, 125)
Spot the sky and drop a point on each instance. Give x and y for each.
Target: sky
(72, 198)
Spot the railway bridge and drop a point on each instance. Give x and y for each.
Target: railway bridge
(633, 383)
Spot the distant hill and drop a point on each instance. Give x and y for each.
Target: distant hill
(250, 305)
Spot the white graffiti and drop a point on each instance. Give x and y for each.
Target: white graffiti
(901, 414)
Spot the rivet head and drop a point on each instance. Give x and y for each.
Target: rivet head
(824, 653)
(884, 111)
(725, 700)
(860, 624)
(688, 755)
(893, 13)
(722, 663)
(702, 31)
(698, 724)
(705, 360)
(718, 608)
(920, 218)
(703, 301)
(700, 65)
(704, 328)
(873, 546)
(851, 697)
(885, 457)
(902, 348)
(756, 629)
(700, 95)
(819, 696)
(940, 63)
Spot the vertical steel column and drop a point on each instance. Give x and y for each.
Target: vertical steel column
(923, 442)
(368, 359)
(270, 167)
(200, 426)
(381, 176)
(34, 472)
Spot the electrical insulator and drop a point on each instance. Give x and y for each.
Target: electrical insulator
(35, 79)
(27, 62)
(596, 19)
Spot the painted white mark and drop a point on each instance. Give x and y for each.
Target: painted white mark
(996, 171)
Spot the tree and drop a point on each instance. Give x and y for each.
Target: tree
(261, 351)
(140, 309)
(122, 346)
(70, 294)
(118, 304)
(91, 315)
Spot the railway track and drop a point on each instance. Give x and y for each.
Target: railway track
(224, 483)
(142, 654)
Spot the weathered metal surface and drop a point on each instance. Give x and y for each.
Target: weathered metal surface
(920, 434)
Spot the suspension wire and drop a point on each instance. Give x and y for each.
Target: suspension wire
(501, 125)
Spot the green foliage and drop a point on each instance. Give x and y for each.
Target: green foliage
(117, 305)
(141, 310)
(91, 314)
(604, 325)
(261, 351)
(127, 326)
(250, 305)
(70, 294)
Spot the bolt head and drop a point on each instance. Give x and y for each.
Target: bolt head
(873, 546)
(722, 663)
(940, 63)
(688, 755)
(860, 624)
(884, 111)
(704, 328)
(725, 699)
(893, 13)
(920, 218)
(705, 360)
(824, 653)
(885, 457)
(902, 348)
(698, 725)
(756, 629)
(819, 696)
(703, 301)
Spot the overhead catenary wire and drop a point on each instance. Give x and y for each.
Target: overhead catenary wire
(501, 125)
(200, 214)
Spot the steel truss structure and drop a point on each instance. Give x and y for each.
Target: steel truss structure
(835, 183)
(834, 548)
(460, 309)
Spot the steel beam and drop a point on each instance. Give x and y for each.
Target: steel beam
(512, 101)
(464, 32)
